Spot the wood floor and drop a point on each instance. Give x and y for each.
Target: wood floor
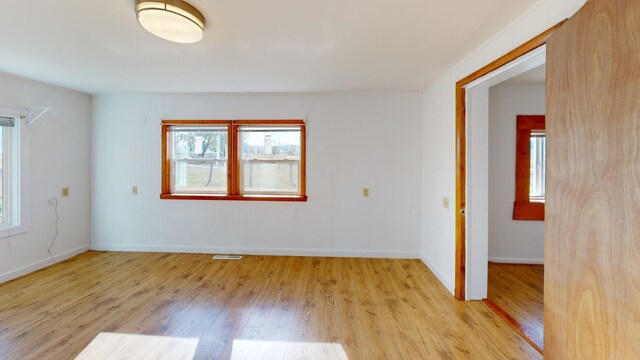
(320, 307)
(519, 291)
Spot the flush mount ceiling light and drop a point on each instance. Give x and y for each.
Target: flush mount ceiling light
(173, 20)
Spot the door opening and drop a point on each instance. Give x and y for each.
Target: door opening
(472, 95)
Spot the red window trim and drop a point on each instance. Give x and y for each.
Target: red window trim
(523, 208)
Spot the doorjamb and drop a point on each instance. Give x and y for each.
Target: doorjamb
(461, 156)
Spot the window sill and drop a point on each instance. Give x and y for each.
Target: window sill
(12, 231)
(294, 198)
(524, 210)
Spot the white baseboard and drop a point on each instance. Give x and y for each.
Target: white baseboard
(256, 251)
(42, 264)
(446, 281)
(516, 260)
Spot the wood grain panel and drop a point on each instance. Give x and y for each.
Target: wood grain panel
(368, 308)
(592, 230)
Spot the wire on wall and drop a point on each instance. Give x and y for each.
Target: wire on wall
(54, 202)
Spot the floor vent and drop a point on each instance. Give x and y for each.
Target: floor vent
(227, 257)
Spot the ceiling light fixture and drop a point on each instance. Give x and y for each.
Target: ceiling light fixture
(173, 20)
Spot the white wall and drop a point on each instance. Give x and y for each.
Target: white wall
(59, 156)
(477, 230)
(438, 225)
(509, 240)
(354, 141)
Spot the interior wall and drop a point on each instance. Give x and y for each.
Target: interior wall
(354, 141)
(59, 156)
(438, 133)
(509, 240)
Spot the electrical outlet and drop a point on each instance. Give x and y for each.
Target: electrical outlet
(65, 191)
(134, 190)
(445, 202)
(365, 192)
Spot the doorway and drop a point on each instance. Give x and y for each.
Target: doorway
(512, 283)
(471, 256)
(461, 261)
(517, 164)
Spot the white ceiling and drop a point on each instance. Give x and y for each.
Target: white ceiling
(97, 46)
(537, 74)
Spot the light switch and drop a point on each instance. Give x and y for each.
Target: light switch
(445, 202)
(134, 190)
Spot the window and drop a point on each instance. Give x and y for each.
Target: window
(537, 165)
(233, 160)
(530, 168)
(12, 184)
(199, 159)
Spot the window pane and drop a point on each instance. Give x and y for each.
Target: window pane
(199, 159)
(537, 167)
(270, 160)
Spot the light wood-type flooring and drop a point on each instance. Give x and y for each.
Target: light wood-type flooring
(519, 291)
(259, 307)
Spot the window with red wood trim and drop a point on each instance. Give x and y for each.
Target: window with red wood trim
(530, 168)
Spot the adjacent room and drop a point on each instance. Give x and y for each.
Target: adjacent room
(516, 226)
(319, 180)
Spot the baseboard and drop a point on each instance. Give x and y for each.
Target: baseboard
(516, 260)
(336, 253)
(42, 264)
(448, 283)
(256, 251)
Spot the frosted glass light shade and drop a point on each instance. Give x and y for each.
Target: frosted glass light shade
(173, 20)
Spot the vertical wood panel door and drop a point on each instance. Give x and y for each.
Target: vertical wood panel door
(592, 230)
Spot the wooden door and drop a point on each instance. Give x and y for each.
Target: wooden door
(592, 230)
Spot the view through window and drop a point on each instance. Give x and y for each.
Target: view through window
(270, 160)
(199, 159)
(234, 160)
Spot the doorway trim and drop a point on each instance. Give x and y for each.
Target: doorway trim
(461, 153)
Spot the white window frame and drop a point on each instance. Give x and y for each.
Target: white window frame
(538, 163)
(17, 163)
(187, 160)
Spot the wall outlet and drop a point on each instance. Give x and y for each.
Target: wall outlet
(65, 191)
(445, 202)
(365, 192)
(52, 201)
(134, 190)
